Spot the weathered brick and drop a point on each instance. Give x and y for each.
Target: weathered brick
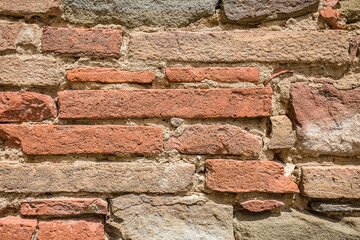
(235, 74)
(327, 119)
(281, 133)
(30, 7)
(30, 71)
(82, 42)
(241, 46)
(109, 75)
(331, 16)
(169, 103)
(98, 178)
(331, 182)
(138, 13)
(248, 176)
(13, 228)
(216, 139)
(261, 205)
(26, 106)
(254, 11)
(8, 35)
(58, 140)
(63, 207)
(76, 229)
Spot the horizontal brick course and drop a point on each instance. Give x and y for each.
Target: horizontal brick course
(331, 182)
(235, 74)
(13, 228)
(75, 229)
(214, 103)
(241, 46)
(63, 207)
(248, 176)
(59, 140)
(30, 7)
(26, 106)
(109, 75)
(216, 139)
(82, 42)
(97, 178)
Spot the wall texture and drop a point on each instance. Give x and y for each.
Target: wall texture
(179, 120)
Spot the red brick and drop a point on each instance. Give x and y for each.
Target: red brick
(82, 42)
(248, 176)
(30, 7)
(8, 34)
(90, 229)
(26, 106)
(182, 103)
(261, 205)
(331, 182)
(236, 74)
(52, 207)
(12, 228)
(109, 75)
(216, 139)
(50, 139)
(331, 17)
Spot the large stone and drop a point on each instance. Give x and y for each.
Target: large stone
(250, 12)
(131, 13)
(294, 225)
(216, 139)
(31, 71)
(281, 133)
(171, 217)
(327, 120)
(242, 46)
(331, 182)
(350, 9)
(99, 178)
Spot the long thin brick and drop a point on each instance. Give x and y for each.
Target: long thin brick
(30, 7)
(26, 106)
(235, 74)
(331, 182)
(241, 46)
(13, 228)
(188, 103)
(97, 178)
(109, 75)
(216, 139)
(82, 42)
(58, 140)
(75, 229)
(248, 176)
(63, 207)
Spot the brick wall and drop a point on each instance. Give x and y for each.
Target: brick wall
(181, 120)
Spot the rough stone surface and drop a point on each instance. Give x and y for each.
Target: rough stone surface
(106, 139)
(331, 182)
(169, 103)
(99, 178)
(109, 75)
(261, 205)
(174, 13)
(241, 46)
(30, 7)
(248, 176)
(26, 106)
(281, 133)
(82, 42)
(13, 228)
(89, 229)
(63, 207)
(235, 74)
(178, 218)
(328, 120)
(251, 12)
(293, 225)
(350, 9)
(30, 71)
(216, 139)
(329, 207)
